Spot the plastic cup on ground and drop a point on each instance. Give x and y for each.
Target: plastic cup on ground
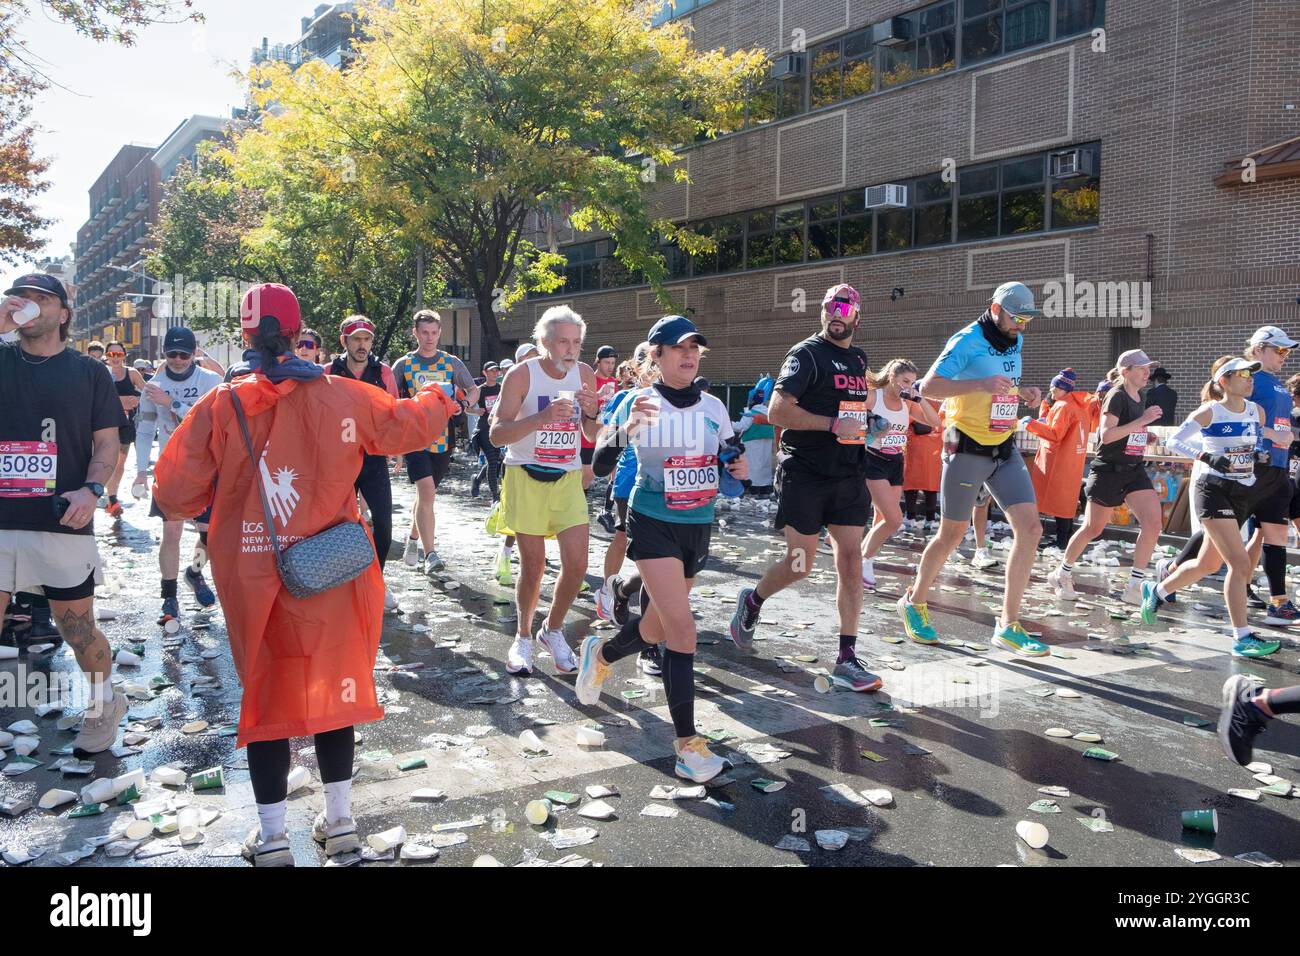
(530, 741)
(388, 840)
(1035, 834)
(1206, 821)
(97, 791)
(172, 627)
(589, 737)
(187, 823)
(538, 812)
(127, 659)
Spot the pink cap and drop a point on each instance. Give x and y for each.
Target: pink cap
(841, 291)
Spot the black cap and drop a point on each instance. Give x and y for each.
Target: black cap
(1161, 375)
(606, 351)
(491, 365)
(40, 282)
(179, 339)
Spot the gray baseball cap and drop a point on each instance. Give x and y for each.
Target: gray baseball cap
(1016, 298)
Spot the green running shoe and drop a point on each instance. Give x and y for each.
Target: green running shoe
(1014, 638)
(916, 621)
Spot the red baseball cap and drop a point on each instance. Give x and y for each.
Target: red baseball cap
(358, 323)
(270, 299)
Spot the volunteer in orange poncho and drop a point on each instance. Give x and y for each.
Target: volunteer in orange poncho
(922, 469)
(306, 665)
(1057, 471)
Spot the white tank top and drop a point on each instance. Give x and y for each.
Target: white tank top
(555, 445)
(1233, 435)
(894, 441)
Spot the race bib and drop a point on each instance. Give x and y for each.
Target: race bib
(1294, 466)
(28, 469)
(1002, 412)
(557, 443)
(1137, 444)
(690, 481)
(858, 411)
(893, 442)
(489, 403)
(1241, 460)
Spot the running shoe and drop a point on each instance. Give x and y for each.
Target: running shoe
(605, 599)
(1254, 646)
(606, 520)
(561, 653)
(519, 659)
(202, 593)
(114, 509)
(1151, 602)
(411, 553)
(853, 675)
(622, 611)
(647, 662)
(591, 672)
(931, 527)
(916, 621)
(868, 574)
(1164, 568)
(695, 761)
(99, 726)
(272, 852)
(1133, 592)
(390, 601)
(338, 837)
(1014, 638)
(743, 623)
(171, 610)
(432, 563)
(1254, 600)
(1062, 582)
(1240, 721)
(504, 577)
(982, 559)
(1285, 614)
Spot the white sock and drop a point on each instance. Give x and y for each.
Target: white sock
(507, 550)
(1065, 568)
(338, 800)
(101, 692)
(1161, 592)
(1239, 632)
(1136, 575)
(272, 817)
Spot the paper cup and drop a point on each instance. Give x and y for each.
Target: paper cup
(127, 659)
(210, 779)
(168, 776)
(1035, 834)
(530, 741)
(132, 778)
(388, 840)
(565, 396)
(98, 791)
(139, 829)
(8, 653)
(187, 822)
(299, 777)
(1206, 821)
(27, 314)
(56, 798)
(822, 685)
(589, 737)
(538, 812)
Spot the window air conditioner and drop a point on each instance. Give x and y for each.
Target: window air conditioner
(787, 64)
(888, 196)
(1073, 162)
(892, 32)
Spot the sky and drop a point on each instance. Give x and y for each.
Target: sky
(109, 95)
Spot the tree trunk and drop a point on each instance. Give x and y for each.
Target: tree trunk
(487, 320)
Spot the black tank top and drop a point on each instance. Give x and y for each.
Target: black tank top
(126, 389)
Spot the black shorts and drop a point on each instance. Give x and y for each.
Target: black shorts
(587, 454)
(1270, 501)
(809, 504)
(1110, 486)
(649, 538)
(1295, 500)
(155, 513)
(126, 436)
(620, 505)
(427, 464)
(1215, 497)
(77, 593)
(880, 468)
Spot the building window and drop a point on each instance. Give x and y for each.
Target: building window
(672, 9)
(1079, 16)
(1076, 198)
(933, 204)
(931, 48)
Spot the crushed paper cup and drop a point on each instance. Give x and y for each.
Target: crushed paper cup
(1034, 834)
(127, 659)
(56, 798)
(538, 812)
(388, 840)
(586, 737)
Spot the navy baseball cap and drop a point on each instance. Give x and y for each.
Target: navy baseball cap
(674, 330)
(606, 351)
(179, 339)
(40, 282)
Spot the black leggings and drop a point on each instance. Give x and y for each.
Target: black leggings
(377, 489)
(1064, 530)
(912, 502)
(1284, 700)
(491, 469)
(268, 763)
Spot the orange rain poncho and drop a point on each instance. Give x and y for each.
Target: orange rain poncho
(306, 665)
(922, 459)
(1057, 470)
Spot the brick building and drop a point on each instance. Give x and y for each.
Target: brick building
(1107, 142)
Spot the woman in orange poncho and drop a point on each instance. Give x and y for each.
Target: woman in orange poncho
(922, 469)
(1057, 471)
(306, 665)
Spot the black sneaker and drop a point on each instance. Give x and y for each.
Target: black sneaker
(1255, 600)
(648, 662)
(1240, 721)
(622, 611)
(473, 486)
(606, 520)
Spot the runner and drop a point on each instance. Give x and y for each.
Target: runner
(59, 416)
(1057, 470)
(1247, 711)
(1221, 436)
(1119, 476)
(309, 345)
(922, 466)
(306, 662)
(1272, 492)
(168, 396)
(681, 435)
(1293, 463)
(129, 384)
(543, 406)
(891, 400)
(426, 468)
(819, 402)
(979, 373)
(358, 361)
(606, 360)
(96, 351)
(487, 400)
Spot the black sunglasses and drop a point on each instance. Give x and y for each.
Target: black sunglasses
(179, 354)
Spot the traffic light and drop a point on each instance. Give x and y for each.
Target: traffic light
(126, 309)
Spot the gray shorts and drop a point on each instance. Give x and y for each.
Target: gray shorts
(965, 474)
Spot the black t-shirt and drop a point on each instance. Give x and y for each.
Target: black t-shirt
(487, 400)
(821, 375)
(1130, 449)
(49, 411)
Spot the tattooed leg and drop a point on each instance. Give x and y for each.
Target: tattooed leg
(76, 622)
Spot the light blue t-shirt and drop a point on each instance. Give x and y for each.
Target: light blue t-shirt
(969, 355)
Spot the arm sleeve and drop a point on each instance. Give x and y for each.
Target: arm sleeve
(146, 424)
(1187, 440)
(187, 467)
(797, 372)
(401, 425)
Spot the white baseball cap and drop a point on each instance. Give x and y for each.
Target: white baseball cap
(1272, 335)
(1135, 357)
(1236, 365)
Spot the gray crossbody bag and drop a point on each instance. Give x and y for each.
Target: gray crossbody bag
(313, 565)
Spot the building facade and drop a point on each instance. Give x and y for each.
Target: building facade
(1130, 161)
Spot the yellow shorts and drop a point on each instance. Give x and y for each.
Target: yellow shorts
(545, 508)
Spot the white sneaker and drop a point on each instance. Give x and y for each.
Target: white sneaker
(390, 601)
(981, 559)
(868, 574)
(272, 852)
(520, 658)
(1132, 592)
(561, 653)
(99, 728)
(411, 553)
(909, 525)
(1063, 583)
(338, 837)
(605, 600)
(696, 762)
(931, 527)
(1162, 569)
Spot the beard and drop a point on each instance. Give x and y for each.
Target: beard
(845, 332)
